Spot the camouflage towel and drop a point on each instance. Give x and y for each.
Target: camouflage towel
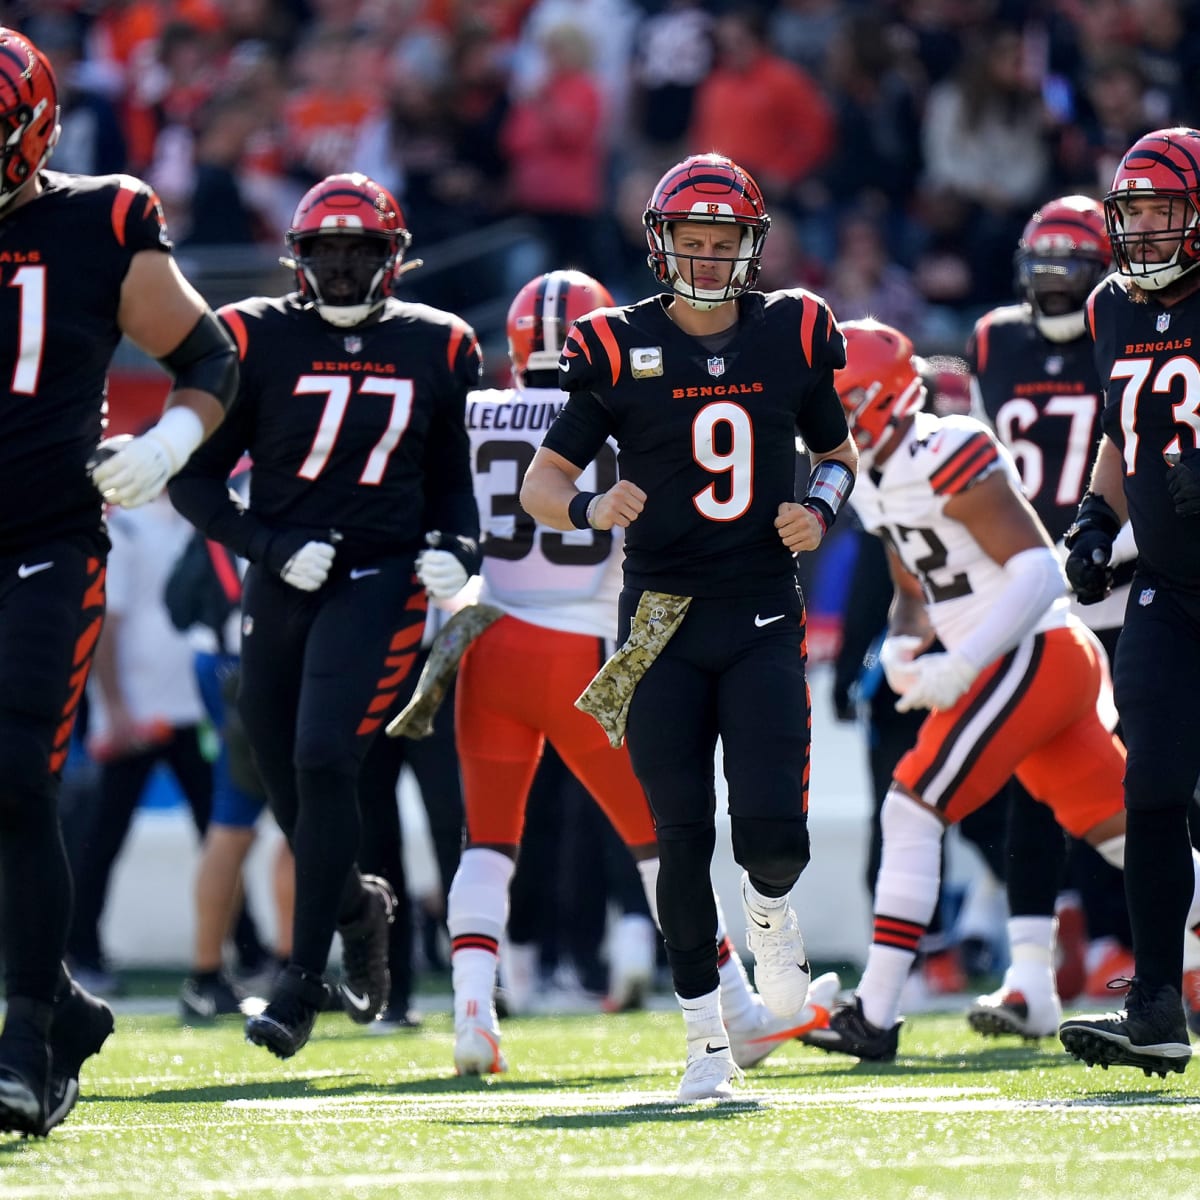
(415, 719)
(608, 696)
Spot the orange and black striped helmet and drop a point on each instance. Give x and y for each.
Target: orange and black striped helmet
(709, 189)
(1063, 253)
(1161, 169)
(29, 125)
(540, 317)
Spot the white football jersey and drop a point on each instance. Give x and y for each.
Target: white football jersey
(903, 503)
(565, 580)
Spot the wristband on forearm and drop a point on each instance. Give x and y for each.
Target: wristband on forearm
(829, 487)
(580, 509)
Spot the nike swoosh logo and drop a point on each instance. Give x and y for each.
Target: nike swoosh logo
(761, 621)
(204, 1005)
(363, 572)
(760, 924)
(709, 1048)
(24, 572)
(362, 1003)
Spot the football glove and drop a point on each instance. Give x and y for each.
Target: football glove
(133, 471)
(1090, 542)
(942, 679)
(896, 657)
(1183, 482)
(441, 573)
(308, 568)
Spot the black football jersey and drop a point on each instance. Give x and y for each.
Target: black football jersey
(1147, 355)
(1044, 400)
(710, 436)
(63, 258)
(356, 434)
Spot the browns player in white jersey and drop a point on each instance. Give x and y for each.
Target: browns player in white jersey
(1014, 688)
(519, 679)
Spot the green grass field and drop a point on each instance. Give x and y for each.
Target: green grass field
(587, 1111)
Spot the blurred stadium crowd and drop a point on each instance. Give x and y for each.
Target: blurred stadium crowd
(901, 144)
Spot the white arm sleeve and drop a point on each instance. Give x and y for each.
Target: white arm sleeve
(1035, 581)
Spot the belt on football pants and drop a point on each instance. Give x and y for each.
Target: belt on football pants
(608, 696)
(415, 719)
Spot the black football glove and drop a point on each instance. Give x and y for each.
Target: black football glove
(1183, 482)
(1090, 542)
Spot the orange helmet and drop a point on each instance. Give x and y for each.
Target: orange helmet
(347, 282)
(540, 317)
(29, 125)
(1063, 253)
(711, 189)
(1162, 166)
(880, 384)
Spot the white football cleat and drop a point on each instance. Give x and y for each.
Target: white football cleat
(1016, 1012)
(757, 1034)
(477, 1050)
(781, 970)
(709, 1076)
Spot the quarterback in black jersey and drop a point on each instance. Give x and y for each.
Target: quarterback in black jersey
(706, 392)
(351, 407)
(1145, 324)
(83, 261)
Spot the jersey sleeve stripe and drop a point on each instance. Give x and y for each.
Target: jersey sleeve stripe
(233, 319)
(982, 329)
(575, 342)
(1090, 309)
(122, 202)
(965, 467)
(608, 340)
(808, 325)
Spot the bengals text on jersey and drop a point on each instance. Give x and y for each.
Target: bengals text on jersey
(707, 427)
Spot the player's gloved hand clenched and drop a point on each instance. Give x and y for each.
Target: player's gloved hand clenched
(1090, 542)
(1183, 482)
(441, 573)
(308, 568)
(130, 471)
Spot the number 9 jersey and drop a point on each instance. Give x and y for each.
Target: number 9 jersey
(903, 502)
(569, 581)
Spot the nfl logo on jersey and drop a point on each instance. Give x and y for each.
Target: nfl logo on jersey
(353, 343)
(1163, 322)
(716, 367)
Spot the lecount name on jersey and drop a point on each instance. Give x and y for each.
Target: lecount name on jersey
(719, 389)
(370, 368)
(512, 416)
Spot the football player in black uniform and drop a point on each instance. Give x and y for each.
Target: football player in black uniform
(706, 390)
(351, 407)
(83, 260)
(1034, 380)
(1145, 323)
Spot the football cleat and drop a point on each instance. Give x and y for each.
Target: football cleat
(1010, 1012)
(1150, 1033)
(759, 1033)
(79, 1028)
(849, 1032)
(24, 1077)
(781, 970)
(286, 1023)
(368, 982)
(709, 1075)
(201, 1001)
(477, 1049)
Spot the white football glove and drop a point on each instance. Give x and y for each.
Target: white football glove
(942, 679)
(309, 567)
(441, 573)
(896, 657)
(133, 471)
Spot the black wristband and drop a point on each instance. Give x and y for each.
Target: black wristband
(1094, 513)
(577, 509)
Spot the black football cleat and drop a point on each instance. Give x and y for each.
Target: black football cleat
(24, 1074)
(286, 1023)
(79, 1028)
(367, 981)
(1151, 1033)
(849, 1032)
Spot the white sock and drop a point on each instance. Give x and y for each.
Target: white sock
(648, 870)
(1031, 945)
(771, 908)
(702, 1022)
(476, 914)
(882, 981)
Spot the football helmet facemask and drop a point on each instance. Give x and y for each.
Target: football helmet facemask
(880, 384)
(1063, 253)
(709, 189)
(540, 317)
(1161, 168)
(29, 114)
(347, 241)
